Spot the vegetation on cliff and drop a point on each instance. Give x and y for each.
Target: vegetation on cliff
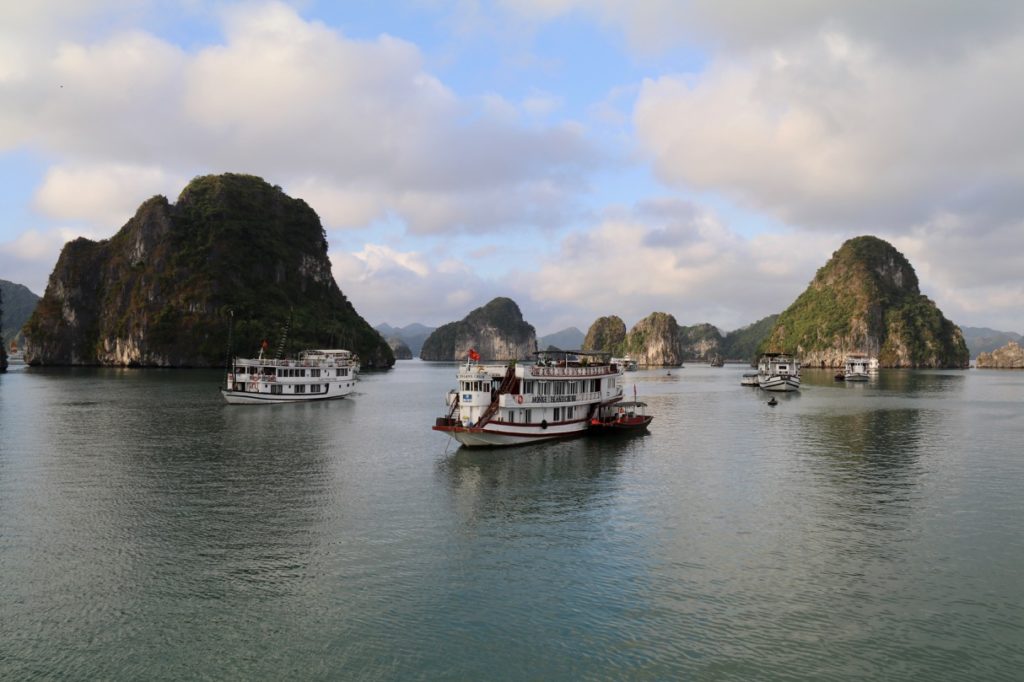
(496, 331)
(606, 334)
(742, 343)
(1010, 356)
(166, 288)
(399, 348)
(655, 341)
(19, 302)
(866, 299)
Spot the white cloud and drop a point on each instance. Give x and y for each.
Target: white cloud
(829, 133)
(105, 195)
(297, 102)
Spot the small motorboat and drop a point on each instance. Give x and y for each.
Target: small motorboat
(773, 402)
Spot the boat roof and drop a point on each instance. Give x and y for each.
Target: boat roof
(631, 403)
(599, 353)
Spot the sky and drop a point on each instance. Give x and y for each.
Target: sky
(583, 157)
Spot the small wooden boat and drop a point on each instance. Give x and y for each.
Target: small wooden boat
(623, 417)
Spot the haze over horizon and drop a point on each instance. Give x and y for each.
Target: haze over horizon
(581, 157)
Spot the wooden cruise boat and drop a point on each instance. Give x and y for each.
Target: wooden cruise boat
(857, 367)
(510, 404)
(627, 363)
(778, 372)
(314, 375)
(623, 417)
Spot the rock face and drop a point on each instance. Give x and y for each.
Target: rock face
(1010, 356)
(398, 347)
(866, 299)
(496, 331)
(606, 334)
(655, 341)
(742, 343)
(234, 253)
(570, 338)
(700, 342)
(19, 302)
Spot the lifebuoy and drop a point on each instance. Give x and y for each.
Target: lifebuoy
(519, 399)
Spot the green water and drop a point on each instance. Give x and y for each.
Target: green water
(873, 531)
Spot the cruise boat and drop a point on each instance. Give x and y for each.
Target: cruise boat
(857, 367)
(314, 375)
(778, 372)
(555, 396)
(627, 363)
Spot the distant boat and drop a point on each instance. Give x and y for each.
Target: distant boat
(627, 363)
(856, 367)
(778, 372)
(749, 379)
(314, 375)
(717, 361)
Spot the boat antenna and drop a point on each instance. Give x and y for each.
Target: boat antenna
(284, 335)
(227, 356)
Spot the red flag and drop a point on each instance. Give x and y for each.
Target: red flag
(264, 344)
(473, 355)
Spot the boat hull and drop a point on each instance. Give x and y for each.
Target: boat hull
(779, 384)
(495, 435)
(247, 398)
(856, 376)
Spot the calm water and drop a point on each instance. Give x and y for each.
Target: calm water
(148, 531)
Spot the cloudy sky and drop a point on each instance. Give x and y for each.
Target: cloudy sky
(583, 157)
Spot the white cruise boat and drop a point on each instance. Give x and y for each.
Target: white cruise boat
(314, 375)
(778, 372)
(627, 363)
(516, 403)
(857, 367)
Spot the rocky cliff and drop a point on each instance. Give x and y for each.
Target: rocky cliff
(1010, 356)
(19, 302)
(606, 334)
(700, 342)
(496, 331)
(655, 341)
(234, 253)
(866, 299)
(398, 347)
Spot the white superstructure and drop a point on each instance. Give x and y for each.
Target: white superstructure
(857, 367)
(508, 404)
(778, 372)
(314, 375)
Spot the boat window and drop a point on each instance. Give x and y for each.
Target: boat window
(314, 372)
(557, 414)
(300, 388)
(528, 416)
(528, 387)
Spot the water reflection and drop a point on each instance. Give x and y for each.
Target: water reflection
(567, 477)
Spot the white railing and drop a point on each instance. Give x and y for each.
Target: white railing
(570, 371)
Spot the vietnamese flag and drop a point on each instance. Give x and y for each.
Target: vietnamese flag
(473, 355)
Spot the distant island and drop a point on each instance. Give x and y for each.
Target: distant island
(496, 331)
(234, 262)
(866, 299)
(1010, 356)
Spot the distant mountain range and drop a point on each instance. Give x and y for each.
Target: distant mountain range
(413, 335)
(570, 338)
(984, 340)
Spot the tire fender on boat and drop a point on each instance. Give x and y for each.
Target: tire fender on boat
(544, 424)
